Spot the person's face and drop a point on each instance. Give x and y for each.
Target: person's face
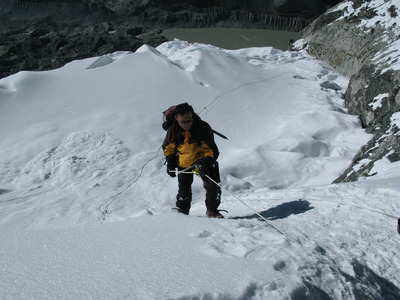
(185, 120)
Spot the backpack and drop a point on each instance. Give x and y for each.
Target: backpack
(168, 116)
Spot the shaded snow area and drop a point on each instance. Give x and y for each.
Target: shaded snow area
(85, 200)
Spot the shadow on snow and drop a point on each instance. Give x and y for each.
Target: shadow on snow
(282, 211)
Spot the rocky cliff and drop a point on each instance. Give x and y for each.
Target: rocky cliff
(167, 13)
(273, 14)
(42, 35)
(46, 34)
(361, 39)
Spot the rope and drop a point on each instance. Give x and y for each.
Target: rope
(356, 206)
(159, 193)
(241, 201)
(239, 86)
(103, 207)
(256, 212)
(324, 200)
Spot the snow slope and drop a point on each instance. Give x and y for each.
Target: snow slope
(85, 199)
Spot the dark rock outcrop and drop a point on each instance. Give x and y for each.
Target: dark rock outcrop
(167, 12)
(49, 45)
(46, 34)
(361, 39)
(284, 14)
(42, 35)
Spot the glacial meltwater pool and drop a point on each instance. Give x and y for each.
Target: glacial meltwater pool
(233, 38)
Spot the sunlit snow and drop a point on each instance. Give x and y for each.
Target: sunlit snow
(85, 200)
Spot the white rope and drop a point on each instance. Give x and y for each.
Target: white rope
(158, 195)
(354, 205)
(257, 213)
(103, 208)
(244, 203)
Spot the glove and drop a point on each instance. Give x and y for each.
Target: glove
(172, 164)
(171, 170)
(208, 165)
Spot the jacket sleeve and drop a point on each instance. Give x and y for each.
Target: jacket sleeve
(169, 146)
(208, 144)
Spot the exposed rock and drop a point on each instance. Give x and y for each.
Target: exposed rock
(361, 39)
(165, 14)
(287, 14)
(46, 34)
(330, 85)
(50, 46)
(384, 146)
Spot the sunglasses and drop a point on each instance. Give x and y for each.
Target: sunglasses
(187, 121)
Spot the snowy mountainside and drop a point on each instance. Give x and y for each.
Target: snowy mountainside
(361, 39)
(83, 182)
(99, 125)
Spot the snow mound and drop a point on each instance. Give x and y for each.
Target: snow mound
(80, 157)
(98, 141)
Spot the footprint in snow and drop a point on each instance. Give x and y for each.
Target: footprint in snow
(203, 234)
(280, 266)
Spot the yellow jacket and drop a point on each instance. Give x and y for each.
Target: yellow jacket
(187, 147)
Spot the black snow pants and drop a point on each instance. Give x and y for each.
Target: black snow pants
(213, 191)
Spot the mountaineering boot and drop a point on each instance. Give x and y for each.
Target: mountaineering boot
(183, 211)
(183, 204)
(215, 214)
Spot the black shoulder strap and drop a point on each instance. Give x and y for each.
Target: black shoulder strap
(220, 134)
(171, 136)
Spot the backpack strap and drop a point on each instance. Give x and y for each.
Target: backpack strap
(220, 134)
(171, 136)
